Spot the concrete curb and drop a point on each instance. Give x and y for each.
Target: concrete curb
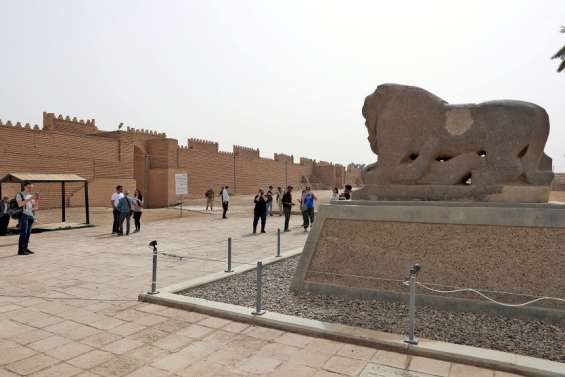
(480, 357)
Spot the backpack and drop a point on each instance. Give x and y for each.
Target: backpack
(14, 210)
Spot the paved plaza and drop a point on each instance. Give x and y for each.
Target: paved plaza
(71, 310)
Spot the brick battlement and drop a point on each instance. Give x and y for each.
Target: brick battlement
(246, 152)
(284, 157)
(148, 160)
(306, 161)
(143, 131)
(203, 145)
(66, 124)
(19, 125)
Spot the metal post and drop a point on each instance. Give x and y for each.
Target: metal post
(278, 242)
(411, 338)
(229, 256)
(154, 290)
(63, 214)
(234, 175)
(86, 204)
(181, 200)
(258, 307)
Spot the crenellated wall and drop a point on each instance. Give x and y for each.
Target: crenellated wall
(148, 160)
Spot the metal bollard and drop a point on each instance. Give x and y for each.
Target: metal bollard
(411, 338)
(259, 295)
(229, 269)
(278, 242)
(154, 290)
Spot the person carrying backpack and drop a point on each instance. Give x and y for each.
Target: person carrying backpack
(124, 210)
(27, 204)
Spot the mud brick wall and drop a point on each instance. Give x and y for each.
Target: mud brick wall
(147, 160)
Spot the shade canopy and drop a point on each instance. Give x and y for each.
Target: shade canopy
(39, 177)
(21, 178)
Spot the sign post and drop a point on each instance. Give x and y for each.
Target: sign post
(181, 187)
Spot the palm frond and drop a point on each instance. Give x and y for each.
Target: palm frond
(561, 66)
(559, 54)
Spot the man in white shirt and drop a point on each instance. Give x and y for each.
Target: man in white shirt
(28, 203)
(115, 201)
(225, 200)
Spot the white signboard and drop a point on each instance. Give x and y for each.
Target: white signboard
(181, 184)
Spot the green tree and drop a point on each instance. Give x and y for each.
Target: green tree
(560, 55)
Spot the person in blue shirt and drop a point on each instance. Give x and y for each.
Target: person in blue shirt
(124, 210)
(309, 203)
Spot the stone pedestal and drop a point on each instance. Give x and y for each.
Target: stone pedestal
(511, 252)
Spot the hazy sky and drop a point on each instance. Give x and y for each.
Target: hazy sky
(286, 76)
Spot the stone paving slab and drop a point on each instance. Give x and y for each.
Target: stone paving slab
(71, 310)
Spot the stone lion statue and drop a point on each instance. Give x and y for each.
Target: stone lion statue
(467, 152)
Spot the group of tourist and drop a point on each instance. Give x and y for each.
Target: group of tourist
(224, 198)
(124, 207)
(264, 205)
(345, 195)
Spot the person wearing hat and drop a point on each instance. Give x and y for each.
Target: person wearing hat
(287, 207)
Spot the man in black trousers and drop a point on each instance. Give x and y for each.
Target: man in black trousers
(287, 207)
(115, 201)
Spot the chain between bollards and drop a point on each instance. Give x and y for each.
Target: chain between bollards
(229, 269)
(411, 338)
(154, 290)
(259, 295)
(278, 242)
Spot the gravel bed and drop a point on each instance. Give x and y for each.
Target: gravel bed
(531, 338)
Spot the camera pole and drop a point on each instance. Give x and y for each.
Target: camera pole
(154, 290)
(412, 339)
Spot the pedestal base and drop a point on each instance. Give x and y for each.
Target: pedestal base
(511, 252)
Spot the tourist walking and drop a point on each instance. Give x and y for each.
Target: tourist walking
(116, 196)
(124, 209)
(137, 209)
(209, 199)
(4, 216)
(279, 200)
(270, 201)
(309, 203)
(260, 211)
(335, 194)
(225, 197)
(287, 207)
(28, 203)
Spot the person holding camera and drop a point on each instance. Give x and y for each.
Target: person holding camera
(287, 207)
(28, 203)
(260, 211)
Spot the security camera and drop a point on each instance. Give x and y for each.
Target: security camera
(415, 269)
(153, 243)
